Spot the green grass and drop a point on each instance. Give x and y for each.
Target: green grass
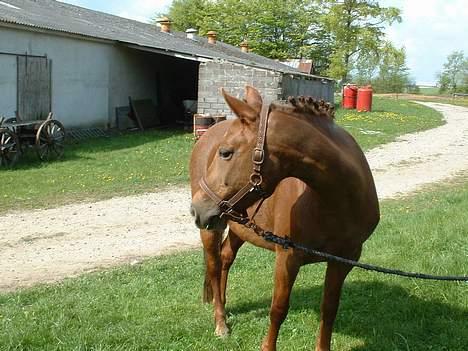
(429, 91)
(99, 168)
(443, 99)
(389, 118)
(459, 101)
(157, 305)
(134, 163)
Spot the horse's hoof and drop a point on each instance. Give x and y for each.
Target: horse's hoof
(222, 330)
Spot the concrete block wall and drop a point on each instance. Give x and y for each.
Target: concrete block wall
(233, 78)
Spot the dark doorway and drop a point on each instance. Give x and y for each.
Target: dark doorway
(177, 83)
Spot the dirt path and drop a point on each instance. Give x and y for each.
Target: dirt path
(48, 245)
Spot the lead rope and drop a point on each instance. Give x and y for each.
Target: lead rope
(287, 243)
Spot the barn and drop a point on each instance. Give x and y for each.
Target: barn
(84, 65)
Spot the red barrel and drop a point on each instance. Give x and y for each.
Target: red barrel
(349, 96)
(201, 123)
(364, 99)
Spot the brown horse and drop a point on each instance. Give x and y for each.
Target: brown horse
(335, 213)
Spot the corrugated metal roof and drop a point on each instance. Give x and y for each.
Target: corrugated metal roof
(60, 17)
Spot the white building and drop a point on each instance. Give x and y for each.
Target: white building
(82, 64)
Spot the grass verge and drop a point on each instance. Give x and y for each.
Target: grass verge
(144, 162)
(443, 99)
(157, 305)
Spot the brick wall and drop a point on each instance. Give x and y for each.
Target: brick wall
(233, 78)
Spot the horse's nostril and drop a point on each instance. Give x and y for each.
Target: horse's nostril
(192, 211)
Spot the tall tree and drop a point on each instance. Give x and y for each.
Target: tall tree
(187, 14)
(335, 34)
(357, 29)
(454, 76)
(278, 29)
(393, 74)
(386, 72)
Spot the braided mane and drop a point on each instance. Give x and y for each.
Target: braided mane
(307, 106)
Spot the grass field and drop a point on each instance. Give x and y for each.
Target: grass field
(429, 91)
(157, 305)
(443, 99)
(460, 101)
(142, 162)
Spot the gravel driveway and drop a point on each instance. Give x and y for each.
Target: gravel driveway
(48, 245)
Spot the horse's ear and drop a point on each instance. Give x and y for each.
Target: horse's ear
(240, 108)
(253, 98)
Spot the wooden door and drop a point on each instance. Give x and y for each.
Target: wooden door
(34, 87)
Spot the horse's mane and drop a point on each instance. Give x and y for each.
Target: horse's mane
(306, 106)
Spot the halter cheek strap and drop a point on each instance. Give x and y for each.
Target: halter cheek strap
(255, 180)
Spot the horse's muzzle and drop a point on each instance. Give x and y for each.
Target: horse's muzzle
(207, 218)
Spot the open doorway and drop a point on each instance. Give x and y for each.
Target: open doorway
(165, 91)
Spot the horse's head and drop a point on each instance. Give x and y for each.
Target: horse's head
(231, 169)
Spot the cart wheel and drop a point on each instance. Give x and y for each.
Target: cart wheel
(50, 138)
(9, 148)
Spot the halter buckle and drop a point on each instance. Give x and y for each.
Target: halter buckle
(258, 156)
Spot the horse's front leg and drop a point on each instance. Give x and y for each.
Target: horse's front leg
(212, 245)
(229, 250)
(334, 279)
(286, 269)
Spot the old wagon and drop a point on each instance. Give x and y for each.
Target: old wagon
(47, 137)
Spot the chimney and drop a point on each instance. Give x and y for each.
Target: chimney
(165, 24)
(211, 37)
(244, 46)
(191, 33)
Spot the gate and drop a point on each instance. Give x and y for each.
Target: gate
(34, 86)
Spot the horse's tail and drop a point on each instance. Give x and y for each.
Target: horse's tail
(207, 289)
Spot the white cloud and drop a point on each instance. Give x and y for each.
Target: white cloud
(430, 31)
(143, 10)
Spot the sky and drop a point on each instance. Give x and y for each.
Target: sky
(430, 29)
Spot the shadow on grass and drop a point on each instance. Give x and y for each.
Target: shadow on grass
(384, 316)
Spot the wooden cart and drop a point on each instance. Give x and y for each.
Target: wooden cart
(47, 137)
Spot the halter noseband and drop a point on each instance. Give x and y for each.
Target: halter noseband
(255, 180)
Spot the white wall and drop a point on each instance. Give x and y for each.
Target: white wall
(89, 79)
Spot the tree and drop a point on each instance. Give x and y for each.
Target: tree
(366, 68)
(454, 76)
(393, 74)
(386, 72)
(357, 29)
(334, 34)
(278, 29)
(187, 14)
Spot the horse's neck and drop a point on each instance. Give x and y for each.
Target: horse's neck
(309, 153)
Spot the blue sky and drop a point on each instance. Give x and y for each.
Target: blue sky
(431, 29)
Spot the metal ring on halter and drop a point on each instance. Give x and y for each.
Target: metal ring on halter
(256, 179)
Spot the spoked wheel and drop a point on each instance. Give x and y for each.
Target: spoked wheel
(9, 148)
(50, 139)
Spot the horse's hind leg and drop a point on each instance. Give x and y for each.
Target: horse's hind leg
(229, 250)
(334, 279)
(212, 245)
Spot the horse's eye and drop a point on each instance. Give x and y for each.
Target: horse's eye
(225, 154)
